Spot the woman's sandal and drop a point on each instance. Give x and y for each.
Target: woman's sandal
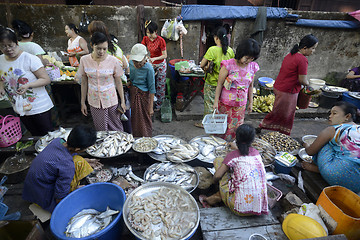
(203, 202)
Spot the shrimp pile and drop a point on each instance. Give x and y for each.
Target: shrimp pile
(166, 214)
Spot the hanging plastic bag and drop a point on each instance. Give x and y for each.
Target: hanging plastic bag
(203, 37)
(172, 31)
(19, 105)
(164, 29)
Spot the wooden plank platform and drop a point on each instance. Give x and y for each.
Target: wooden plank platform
(220, 223)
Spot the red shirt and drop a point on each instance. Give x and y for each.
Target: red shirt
(155, 47)
(291, 67)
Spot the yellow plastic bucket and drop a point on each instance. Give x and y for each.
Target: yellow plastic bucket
(341, 208)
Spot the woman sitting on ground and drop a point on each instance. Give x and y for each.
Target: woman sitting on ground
(336, 151)
(241, 177)
(352, 80)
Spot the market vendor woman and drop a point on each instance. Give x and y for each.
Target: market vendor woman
(54, 173)
(336, 151)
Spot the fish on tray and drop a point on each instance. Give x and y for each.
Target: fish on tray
(182, 153)
(110, 144)
(207, 146)
(88, 222)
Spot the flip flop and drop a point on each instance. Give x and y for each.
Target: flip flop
(203, 202)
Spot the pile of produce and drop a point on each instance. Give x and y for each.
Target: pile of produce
(266, 151)
(263, 104)
(53, 61)
(88, 222)
(166, 214)
(110, 144)
(281, 142)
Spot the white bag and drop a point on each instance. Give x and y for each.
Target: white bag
(312, 211)
(21, 105)
(164, 30)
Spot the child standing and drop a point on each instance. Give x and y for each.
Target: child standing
(241, 176)
(235, 85)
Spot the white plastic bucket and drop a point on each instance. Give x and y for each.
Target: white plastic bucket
(316, 84)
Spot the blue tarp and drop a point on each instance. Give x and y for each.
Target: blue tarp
(211, 12)
(328, 23)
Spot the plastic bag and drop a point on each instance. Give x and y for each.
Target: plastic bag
(287, 178)
(312, 211)
(21, 105)
(203, 37)
(164, 29)
(172, 31)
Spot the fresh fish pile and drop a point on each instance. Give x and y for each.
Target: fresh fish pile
(165, 214)
(182, 153)
(88, 222)
(145, 144)
(266, 151)
(207, 146)
(45, 140)
(103, 175)
(165, 144)
(110, 144)
(179, 174)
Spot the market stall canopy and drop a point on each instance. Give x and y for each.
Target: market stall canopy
(328, 23)
(355, 14)
(211, 12)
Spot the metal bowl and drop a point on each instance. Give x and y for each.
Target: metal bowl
(162, 157)
(139, 141)
(304, 156)
(153, 169)
(44, 143)
(309, 139)
(103, 134)
(149, 189)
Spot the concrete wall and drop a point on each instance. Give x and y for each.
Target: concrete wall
(338, 49)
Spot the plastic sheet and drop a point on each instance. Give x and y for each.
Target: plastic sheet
(328, 23)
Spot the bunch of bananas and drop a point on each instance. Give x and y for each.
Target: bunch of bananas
(263, 104)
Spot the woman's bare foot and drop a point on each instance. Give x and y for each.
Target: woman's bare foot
(213, 199)
(310, 167)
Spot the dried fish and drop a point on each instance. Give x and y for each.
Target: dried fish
(110, 144)
(145, 144)
(88, 222)
(266, 151)
(165, 214)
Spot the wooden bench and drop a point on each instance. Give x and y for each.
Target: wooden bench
(220, 223)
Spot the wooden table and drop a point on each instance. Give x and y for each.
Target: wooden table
(196, 85)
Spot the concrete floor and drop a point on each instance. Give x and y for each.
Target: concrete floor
(184, 129)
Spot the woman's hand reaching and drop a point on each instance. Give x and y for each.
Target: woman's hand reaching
(22, 89)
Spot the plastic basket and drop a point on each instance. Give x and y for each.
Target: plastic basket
(215, 123)
(274, 195)
(10, 130)
(53, 72)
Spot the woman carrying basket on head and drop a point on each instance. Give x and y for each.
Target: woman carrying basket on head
(235, 85)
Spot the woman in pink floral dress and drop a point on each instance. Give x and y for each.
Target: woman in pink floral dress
(235, 85)
(241, 176)
(100, 76)
(23, 78)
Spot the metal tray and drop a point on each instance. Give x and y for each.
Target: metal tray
(220, 142)
(38, 143)
(149, 189)
(162, 157)
(303, 155)
(99, 137)
(137, 141)
(181, 166)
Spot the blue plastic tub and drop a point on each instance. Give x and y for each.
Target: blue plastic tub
(97, 196)
(175, 75)
(347, 98)
(282, 168)
(265, 80)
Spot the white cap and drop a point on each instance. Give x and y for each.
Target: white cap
(138, 52)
